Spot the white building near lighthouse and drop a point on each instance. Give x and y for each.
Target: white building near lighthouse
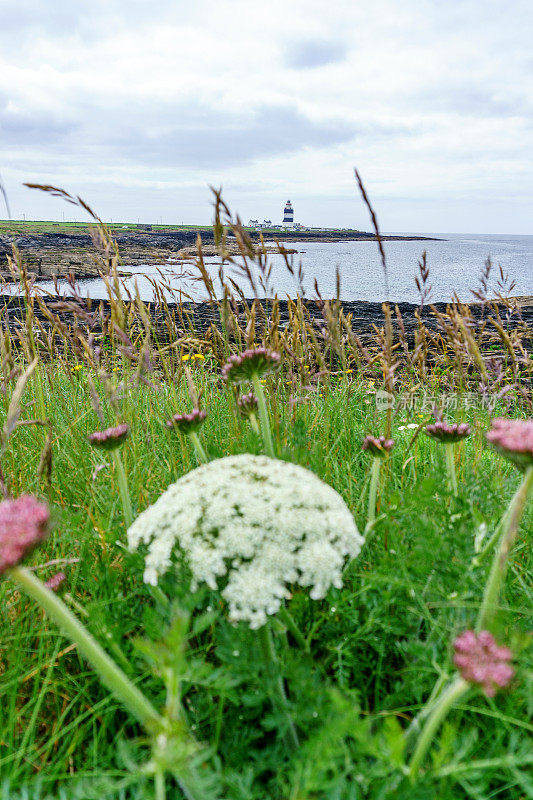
(287, 224)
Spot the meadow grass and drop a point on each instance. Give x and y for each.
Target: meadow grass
(376, 647)
(364, 669)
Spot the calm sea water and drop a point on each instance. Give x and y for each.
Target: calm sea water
(455, 265)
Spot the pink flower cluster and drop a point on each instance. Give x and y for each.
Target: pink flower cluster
(247, 404)
(259, 361)
(111, 437)
(448, 432)
(513, 438)
(377, 446)
(23, 525)
(480, 660)
(187, 423)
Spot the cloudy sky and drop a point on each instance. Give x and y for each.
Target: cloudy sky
(140, 106)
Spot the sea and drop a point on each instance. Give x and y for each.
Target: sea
(456, 263)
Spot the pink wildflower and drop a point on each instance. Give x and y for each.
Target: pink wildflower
(187, 423)
(247, 404)
(481, 661)
(23, 525)
(377, 446)
(513, 438)
(448, 432)
(259, 361)
(111, 437)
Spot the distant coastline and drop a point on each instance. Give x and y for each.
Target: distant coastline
(353, 237)
(50, 252)
(332, 235)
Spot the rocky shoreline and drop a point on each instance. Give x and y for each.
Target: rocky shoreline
(49, 255)
(365, 316)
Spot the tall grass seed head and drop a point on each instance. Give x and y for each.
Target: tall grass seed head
(448, 433)
(252, 526)
(260, 361)
(377, 446)
(481, 661)
(110, 438)
(513, 438)
(24, 524)
(187, 423)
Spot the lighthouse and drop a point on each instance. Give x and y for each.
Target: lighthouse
(288, 214)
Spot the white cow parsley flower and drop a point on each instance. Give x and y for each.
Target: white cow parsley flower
(254, 526)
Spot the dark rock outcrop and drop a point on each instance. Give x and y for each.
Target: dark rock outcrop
(365, 316)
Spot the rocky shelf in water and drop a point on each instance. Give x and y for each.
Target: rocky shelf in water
(49, 255)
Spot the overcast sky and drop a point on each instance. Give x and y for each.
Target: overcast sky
(140, 106)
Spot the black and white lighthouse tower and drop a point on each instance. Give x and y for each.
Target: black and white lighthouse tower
(288, 214)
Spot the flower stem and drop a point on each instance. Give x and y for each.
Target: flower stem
(373, 491)
(287, 618)
(450, 466)
(416, 722)
(277, 690)
(160, 789)
(510, 524)
(198, 448)
(112, 676)
(254, 423)
(123, 488)
(263, 416)
(437, 715)
(476, 561)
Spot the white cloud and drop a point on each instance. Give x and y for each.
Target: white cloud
(431, 101)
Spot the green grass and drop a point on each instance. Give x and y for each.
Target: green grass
(377, 646)
(29, 227)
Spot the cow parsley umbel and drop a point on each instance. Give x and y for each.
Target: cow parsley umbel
(254, 526)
